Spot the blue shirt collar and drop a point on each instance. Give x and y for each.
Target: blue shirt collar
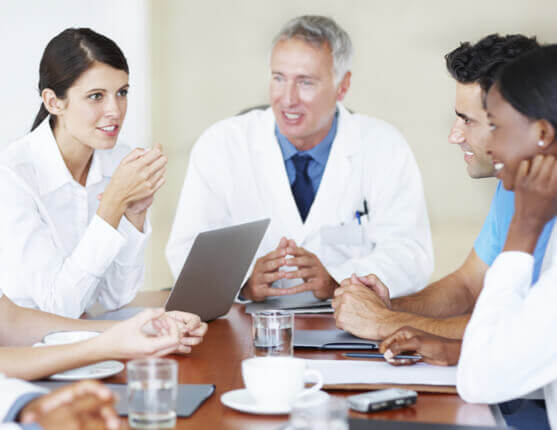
(319, 153)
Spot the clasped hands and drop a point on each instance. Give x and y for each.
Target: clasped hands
(153, 332)
(363, 307)
(287, 254)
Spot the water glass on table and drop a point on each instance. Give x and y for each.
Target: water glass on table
(273, 333)
(329, 413)
(152, 392)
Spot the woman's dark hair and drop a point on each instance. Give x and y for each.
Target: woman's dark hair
(480, 62)
(529, 84)
(70, 54)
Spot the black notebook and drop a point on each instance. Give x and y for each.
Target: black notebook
(331, 339)
(190, 396)
(360, 424)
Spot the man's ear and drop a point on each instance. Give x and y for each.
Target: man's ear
(51, 102)
(344, 86)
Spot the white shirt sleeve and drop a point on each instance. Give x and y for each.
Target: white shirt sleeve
(508, 348)
(10, 391)
(38, 270)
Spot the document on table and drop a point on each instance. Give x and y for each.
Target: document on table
(343, 372)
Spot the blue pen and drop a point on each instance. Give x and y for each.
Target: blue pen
(376, 355)
(359, 217)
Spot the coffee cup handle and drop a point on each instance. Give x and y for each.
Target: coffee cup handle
(313, 374)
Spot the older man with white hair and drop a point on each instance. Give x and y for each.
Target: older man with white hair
(343, 190)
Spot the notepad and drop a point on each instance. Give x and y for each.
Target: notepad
(190, 396)
(350, 372)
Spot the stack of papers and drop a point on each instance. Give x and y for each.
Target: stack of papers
(344, 372)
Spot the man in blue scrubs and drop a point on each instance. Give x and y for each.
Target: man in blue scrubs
(444, 307)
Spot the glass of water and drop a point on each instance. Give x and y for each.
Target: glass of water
(325, 413)
(272, 333)
(152, 391)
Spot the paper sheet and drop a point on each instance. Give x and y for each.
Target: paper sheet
(336, 372)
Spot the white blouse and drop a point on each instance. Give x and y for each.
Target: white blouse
(10, 390)
(56, 254)
(509, 347)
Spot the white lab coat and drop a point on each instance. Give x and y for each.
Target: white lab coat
(56, 254)
(508, 349)
(236, 174)
(10, 391)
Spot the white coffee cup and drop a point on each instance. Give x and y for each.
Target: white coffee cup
(278, 381)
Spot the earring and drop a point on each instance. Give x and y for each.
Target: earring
(541, 143)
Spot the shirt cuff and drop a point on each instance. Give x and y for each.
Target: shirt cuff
(31, 426)
(19, 404)
(98, 247)
(135, 241)
(510, 268)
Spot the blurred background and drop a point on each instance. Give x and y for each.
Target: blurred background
(194, 63)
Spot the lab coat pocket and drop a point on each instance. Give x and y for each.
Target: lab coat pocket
(344, 234)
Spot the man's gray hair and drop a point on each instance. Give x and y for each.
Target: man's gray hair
(318, 30)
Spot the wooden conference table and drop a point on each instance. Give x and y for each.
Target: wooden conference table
(228, 342)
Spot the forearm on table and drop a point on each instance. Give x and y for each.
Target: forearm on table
(445, 298)
(30, 364)
(449, 327)
(23, 326)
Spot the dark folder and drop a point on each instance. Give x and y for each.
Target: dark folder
(331, 339)
(190, 396)
(360, 424)
(297, 303)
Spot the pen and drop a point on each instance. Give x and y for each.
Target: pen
(366, 212)
(376, 355)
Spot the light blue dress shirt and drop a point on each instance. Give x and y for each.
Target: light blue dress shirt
(491, 240)
(319, 155)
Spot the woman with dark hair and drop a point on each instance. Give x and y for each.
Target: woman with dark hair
(508, 349)
(73, 221)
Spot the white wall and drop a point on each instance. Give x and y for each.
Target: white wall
(26, 26)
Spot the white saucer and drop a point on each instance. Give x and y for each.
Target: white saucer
(242, 401)
(100, 370)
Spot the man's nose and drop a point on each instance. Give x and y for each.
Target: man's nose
(291, 97)
(456, 135)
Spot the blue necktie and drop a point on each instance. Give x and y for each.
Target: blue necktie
(302, 187)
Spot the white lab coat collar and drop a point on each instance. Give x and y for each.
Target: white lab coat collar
(269, 169)
(52, 172)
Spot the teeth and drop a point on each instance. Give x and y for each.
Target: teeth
(292, 115)
(468, 153)
(498, 166)
(110, 128)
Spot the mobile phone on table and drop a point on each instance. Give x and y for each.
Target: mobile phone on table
(381, 400)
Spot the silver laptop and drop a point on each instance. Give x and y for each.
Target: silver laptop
(213, 273)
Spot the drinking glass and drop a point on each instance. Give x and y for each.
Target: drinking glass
(152, 391)
(273, 333)
(330, 413)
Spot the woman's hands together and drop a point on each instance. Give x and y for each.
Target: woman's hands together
(132, 187)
